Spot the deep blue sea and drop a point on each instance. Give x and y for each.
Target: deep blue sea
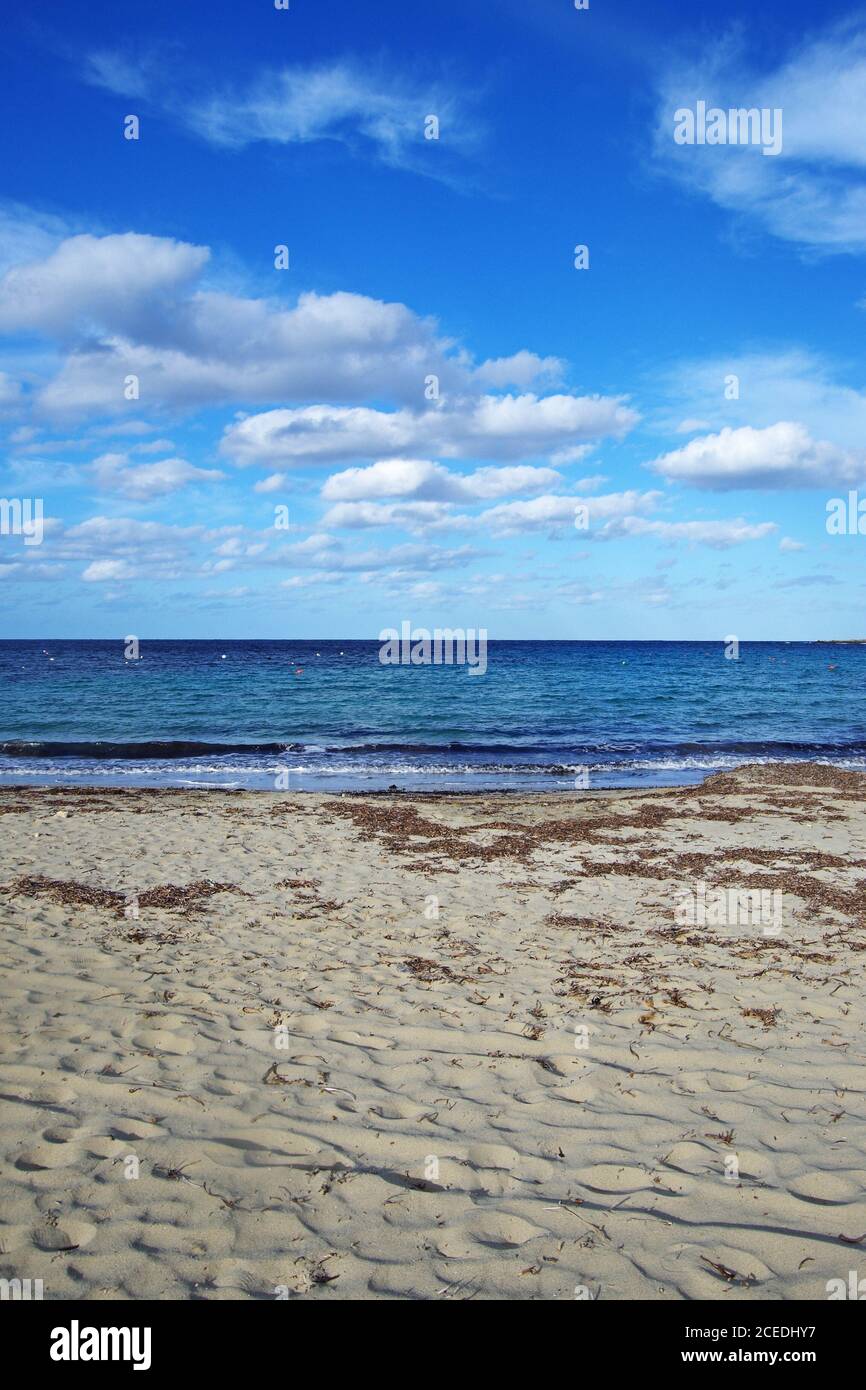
(328, 716)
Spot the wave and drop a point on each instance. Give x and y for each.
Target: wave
(135, 752)
(559, 756)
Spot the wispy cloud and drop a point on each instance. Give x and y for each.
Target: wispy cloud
(814, 192)
(369, 107)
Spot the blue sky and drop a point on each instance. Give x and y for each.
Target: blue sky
(302, 396)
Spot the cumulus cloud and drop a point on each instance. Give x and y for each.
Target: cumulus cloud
(106, 282)
(782, 456)
(143, 482)
(552, 512)
(221, 349)
(391, 478)
(505, 427)
(133, 305)
(520, 369)
(102, 570)
(616, 515)
(423, 479)
(275, 482)
(114, 548)
(410, 516)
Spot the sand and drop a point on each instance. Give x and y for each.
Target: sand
(414, 1047)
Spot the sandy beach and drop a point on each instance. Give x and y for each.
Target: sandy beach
(259, 1045)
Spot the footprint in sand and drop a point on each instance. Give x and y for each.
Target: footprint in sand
(687, 1157)
(396, 1110)
(495, 1156)
(68, 1236)
(827, 1189)
(614, 1177)
(498, 1229)
(47, 1156)
(130, 1130)
(61, 1134)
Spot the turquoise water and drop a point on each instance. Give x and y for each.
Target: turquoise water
(329, 715)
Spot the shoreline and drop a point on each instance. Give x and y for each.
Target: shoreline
(636, 787)
(422, 1045)
(532, 794)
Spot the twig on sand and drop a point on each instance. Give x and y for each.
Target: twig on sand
(567, 1206)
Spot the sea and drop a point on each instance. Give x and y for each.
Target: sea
(329, 716)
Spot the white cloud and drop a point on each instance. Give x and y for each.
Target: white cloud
(366, 107)
(237, 547)
(718, 534)
(411, 516)
(10, 393)
(152, 446)
(787, 384)
(102, 570)
(125, 548)
(130, 77)
(275, 482)
(522, 369)
(613, 516)
(549, 513)
(395, 477)
(216, 348)
(123, 305)
(27, 235)
(142, 482)
(108, 281)
(487, 483)
(788, 545)
(556, 512)
(423, 479)
(322, 551)
(490, 427)
(782, 456)
(813, 192)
